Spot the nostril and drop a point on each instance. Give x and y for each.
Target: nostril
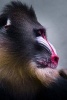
(55, 59)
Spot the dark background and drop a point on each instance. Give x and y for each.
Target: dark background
(52, 14)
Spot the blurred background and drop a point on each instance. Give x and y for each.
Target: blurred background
(52, 14)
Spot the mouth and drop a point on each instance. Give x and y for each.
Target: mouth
(46, 64)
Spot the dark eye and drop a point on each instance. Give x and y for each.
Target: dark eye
(40, 32)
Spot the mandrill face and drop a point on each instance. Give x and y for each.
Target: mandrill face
(46, 55)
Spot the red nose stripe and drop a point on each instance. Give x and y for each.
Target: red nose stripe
(54, 56)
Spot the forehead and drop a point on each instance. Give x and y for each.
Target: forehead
(21, 18)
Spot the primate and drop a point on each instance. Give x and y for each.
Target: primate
(28, 60)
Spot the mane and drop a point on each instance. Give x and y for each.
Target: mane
(17, 6)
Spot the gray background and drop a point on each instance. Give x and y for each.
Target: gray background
(52, 14)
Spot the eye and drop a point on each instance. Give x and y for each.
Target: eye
(40, 32)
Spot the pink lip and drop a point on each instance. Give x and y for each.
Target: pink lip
(45, 64)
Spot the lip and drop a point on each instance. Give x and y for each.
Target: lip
(44, 64)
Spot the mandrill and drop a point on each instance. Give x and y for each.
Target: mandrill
(28, 60)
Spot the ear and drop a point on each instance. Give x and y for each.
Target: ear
(8, 23)
(4, 21)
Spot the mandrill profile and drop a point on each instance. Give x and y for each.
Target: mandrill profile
(28, 60)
